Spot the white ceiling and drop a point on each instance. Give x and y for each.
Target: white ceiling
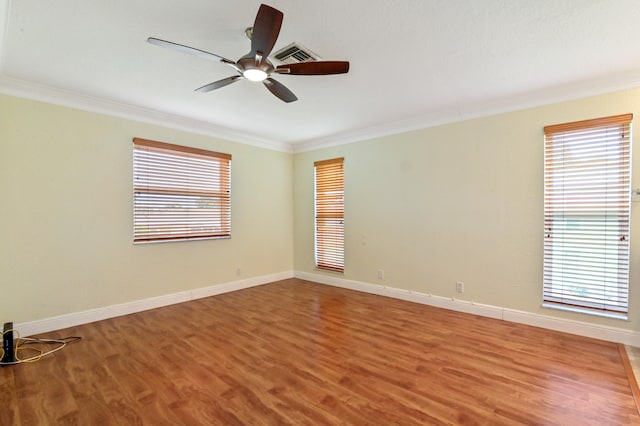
(414, 63)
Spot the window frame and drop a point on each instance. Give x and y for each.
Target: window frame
(587, 212)
(180, 193)
(329, 214)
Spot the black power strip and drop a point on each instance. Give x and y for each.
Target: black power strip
(7, 343)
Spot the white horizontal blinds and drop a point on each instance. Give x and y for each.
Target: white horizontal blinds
(180, 193)
(587, 194)
(329, 211)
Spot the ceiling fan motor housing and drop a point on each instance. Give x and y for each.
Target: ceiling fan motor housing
(248, 62)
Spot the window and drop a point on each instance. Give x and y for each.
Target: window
(180, 193)
(329, 213)
(587, 194)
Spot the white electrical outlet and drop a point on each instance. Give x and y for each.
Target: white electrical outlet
(381, 274)
(459, 287)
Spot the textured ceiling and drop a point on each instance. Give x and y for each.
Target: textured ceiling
(414, 63)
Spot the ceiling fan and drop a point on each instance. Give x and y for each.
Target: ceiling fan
(255, 65)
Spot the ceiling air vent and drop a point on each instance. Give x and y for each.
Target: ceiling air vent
(294, 54)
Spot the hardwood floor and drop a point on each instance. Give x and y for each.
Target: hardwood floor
(294, 352)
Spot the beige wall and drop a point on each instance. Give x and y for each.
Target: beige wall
(66, 215)
(458, 202)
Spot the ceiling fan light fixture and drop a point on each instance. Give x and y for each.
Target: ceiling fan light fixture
(255, 66)
(254, 74)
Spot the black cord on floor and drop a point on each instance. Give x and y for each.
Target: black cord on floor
(26, 343)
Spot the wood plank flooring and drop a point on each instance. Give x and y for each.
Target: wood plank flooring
(295, 352)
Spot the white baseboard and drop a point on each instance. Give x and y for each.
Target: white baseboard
(214, 290)
(612, 334)
(85, 317)
(596, 331)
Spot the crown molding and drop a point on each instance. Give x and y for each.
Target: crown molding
(29, 90)
(548, 96)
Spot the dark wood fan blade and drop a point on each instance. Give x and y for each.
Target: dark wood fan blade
(315, 68)
(190, 50)
(279, 90)
(218, 84)
(265, 30)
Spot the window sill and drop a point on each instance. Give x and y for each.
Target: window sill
(335, 271)
(178, 240)
(586, 311)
